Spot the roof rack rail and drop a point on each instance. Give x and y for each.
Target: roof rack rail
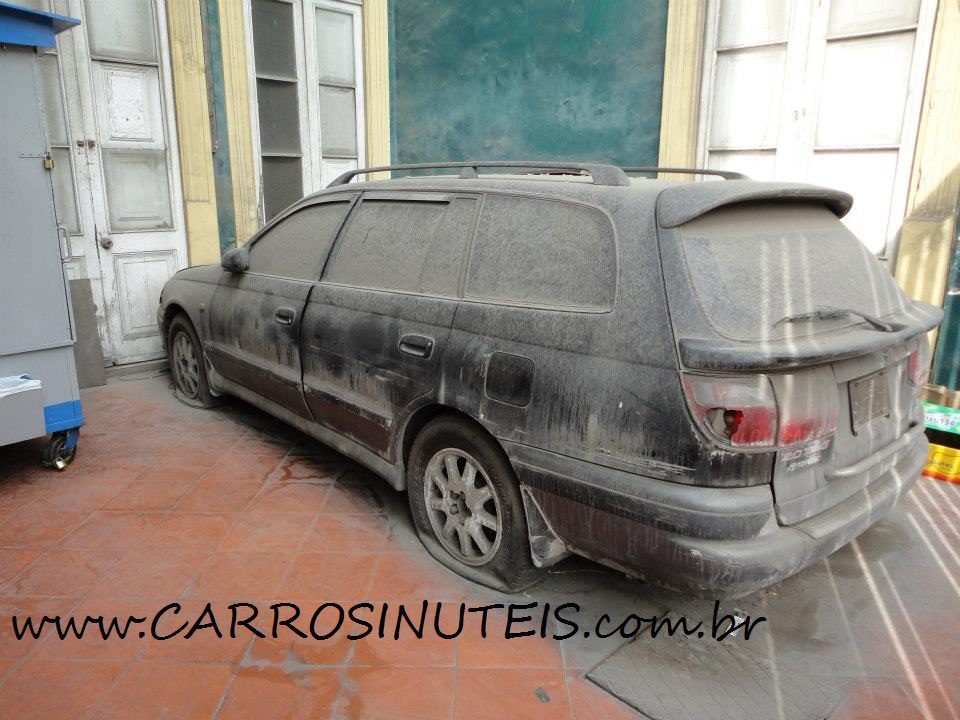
(725, 174)
(601, 174)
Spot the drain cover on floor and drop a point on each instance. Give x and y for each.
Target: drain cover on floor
(679, 678)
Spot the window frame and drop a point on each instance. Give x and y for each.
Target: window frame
(615, 247)
(430, 196)
(806, 43)
(307, 85)
(348, 198)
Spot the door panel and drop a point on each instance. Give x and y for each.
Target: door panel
(117, 193)
(255, 335)
(356, 377)
(375, 329)
(255, 317)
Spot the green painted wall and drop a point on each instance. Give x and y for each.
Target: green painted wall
(946, 361)
(527, 79)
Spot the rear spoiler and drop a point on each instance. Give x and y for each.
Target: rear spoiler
(682, 203)
(757, 356)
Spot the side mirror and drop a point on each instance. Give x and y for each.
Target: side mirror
(236, 260)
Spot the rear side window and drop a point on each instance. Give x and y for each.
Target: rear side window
(543, 252)
(297, 246)
(405, 245)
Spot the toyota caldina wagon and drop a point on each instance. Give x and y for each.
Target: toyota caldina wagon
(710, 385)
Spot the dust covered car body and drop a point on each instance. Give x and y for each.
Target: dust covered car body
(707, 384)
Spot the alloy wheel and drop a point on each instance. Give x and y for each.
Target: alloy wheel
(463, 506)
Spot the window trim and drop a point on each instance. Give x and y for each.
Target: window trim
(805, 45)
(315, 149)
(311, 156)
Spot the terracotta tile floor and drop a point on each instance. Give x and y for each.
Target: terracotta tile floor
(167, 504)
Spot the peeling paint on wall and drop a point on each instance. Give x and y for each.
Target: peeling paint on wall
(539, 79)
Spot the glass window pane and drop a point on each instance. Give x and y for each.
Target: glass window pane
(515, 237)
(279, 117)
(53, 99)
(335, 46)
(755, 165)
(41, 5)
(273, 41)
(297, 246)
(869, 177)
(746, 98)
(402, 245)
(282, 184)
(332, 168)
(64, 197)
(121, 29)
(854, 16)
(138, 193)
(748, 22)
(338, 121)
(864, 90)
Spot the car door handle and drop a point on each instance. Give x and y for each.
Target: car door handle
(416, 345)
(285, 315)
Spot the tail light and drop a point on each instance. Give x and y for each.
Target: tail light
(919, 364)
(744, 411)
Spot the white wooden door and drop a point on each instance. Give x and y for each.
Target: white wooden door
(822, 91)
(125, 218)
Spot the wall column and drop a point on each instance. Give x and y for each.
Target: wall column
(682, 71)
(376, 83)
(193, 130)
(236, 87)
(928, 264)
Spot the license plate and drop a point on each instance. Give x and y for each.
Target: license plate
(869, 399)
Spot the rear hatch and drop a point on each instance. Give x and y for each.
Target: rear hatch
(787, 292)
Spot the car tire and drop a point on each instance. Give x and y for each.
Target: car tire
(471, 520)
(187, 366)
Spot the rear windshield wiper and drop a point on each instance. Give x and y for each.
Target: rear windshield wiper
(832, 313)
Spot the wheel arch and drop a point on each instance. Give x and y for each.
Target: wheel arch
(173, 309)
(423, 415)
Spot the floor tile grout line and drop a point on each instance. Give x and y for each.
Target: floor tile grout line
(352, 647)
(116, 682)
(239, 663)
(238, 516)
(29, 654)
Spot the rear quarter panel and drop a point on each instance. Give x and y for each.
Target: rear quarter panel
(603, 386)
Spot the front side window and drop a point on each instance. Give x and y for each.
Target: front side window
(544, 253)
(297, 246)
(409, 246)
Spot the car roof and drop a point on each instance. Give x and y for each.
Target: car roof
(676, 202)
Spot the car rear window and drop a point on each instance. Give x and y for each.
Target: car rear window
(541, 252)
(406, 245)
(751, 266)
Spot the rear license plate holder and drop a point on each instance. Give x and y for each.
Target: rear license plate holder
(869, 399)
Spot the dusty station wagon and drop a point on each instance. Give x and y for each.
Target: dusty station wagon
(710, 385)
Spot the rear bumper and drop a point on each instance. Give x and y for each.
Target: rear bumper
(734, 550)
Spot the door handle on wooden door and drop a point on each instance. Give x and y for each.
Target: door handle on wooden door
(284, 316)
(416, 345)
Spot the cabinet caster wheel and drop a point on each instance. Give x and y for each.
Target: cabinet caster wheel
(61, 449)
